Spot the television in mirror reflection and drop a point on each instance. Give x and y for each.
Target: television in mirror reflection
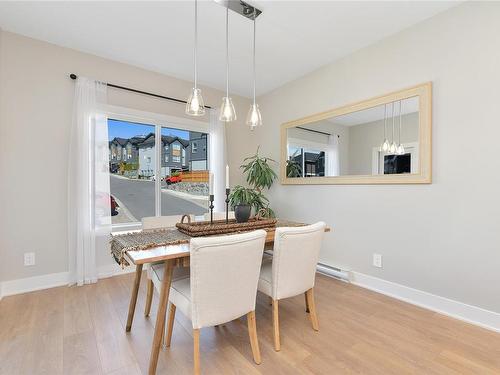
(380, 140)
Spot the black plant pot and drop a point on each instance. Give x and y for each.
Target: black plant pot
(242, 212)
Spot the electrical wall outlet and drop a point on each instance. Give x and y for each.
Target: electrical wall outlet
(377, 260)
(29, 259)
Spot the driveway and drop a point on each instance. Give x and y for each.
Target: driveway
(138, 197)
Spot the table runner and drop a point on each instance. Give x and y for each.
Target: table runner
(148, 239)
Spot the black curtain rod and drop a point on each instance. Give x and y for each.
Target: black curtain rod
(315, 131)
(74, 76)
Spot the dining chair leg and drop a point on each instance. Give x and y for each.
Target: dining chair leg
(312, 307)
(307, 302)
(276, 326)
(160, 316)
(252, 333)
(196, 351)
(170, 327)
(133, 298)
(149, 298)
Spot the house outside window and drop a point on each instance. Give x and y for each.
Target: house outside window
(194, 147)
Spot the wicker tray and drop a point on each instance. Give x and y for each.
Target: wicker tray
(204, 228)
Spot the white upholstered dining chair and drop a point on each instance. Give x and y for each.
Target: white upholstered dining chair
(292, 270)
(222, 286)
(155, 223)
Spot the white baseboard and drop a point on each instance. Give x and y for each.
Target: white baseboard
(470, 314)
(52, 280)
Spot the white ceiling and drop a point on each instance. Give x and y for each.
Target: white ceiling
(293, 37)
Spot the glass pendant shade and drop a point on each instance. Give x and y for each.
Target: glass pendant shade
(227, 112)
(400, 150)
(393, 148)
(254, 117)
(385, 146)
(195, 105)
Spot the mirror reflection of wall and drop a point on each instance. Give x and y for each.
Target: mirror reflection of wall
(377, 140)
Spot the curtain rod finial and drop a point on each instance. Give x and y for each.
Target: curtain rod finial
(73, 76)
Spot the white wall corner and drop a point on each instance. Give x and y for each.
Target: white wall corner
(458, 310)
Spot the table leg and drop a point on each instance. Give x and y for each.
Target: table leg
(160, 316)
(133, 298)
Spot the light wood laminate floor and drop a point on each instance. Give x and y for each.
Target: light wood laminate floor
(81, 330)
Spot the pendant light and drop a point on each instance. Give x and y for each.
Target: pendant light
(401, 149)
(385, 145)
(254, 117)
(195, 105)
(227, 112)
(393, 147)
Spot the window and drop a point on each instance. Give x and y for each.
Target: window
(309, 162)
(194, 147)
(176, 153)
(131, 186)
(144, 182)
(183, 177)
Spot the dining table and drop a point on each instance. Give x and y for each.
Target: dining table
(172, 255)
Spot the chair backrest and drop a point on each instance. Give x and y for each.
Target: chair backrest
(224, 275)
(219, 215)
(295, 256)
(158, 222)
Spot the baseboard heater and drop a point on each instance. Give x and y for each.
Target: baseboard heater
(335, 272)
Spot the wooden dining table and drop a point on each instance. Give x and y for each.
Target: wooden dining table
(172, 256)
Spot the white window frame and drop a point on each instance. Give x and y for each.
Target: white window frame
(159, 121)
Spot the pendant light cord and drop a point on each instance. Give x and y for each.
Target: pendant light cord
(254, 73)
(393, 122)
(385, 122)
(227, 50)
(195, 44)
(400, 115)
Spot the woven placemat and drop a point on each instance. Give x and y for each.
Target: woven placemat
(144, 240)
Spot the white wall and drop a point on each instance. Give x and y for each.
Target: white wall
(364, 137)
(36, 105)
(442, 238)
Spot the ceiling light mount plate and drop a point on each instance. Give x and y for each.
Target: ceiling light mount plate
(240, 7)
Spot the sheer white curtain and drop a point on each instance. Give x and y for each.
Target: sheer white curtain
(217, 158)
(89, 216)
(332, 156)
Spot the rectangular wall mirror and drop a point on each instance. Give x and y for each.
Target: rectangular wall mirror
(383, 140)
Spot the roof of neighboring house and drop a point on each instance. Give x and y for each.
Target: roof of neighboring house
(166, 139)
(148, 140)
(121, 141)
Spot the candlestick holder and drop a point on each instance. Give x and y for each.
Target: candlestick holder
(211, 197)
(227, 204)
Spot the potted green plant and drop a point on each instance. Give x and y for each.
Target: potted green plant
(242, 200)
(259, 176)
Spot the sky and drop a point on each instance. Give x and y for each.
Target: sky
(125, 129)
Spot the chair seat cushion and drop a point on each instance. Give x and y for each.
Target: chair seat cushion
(158, 269)
(180, 295)
(265, 279)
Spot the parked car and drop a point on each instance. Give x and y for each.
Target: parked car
(113, 168)
(114, 206)
(173, 179)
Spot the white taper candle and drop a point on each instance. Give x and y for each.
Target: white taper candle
(227, 176)
(211, 184)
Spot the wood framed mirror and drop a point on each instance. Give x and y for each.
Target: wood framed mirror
(383, 140)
